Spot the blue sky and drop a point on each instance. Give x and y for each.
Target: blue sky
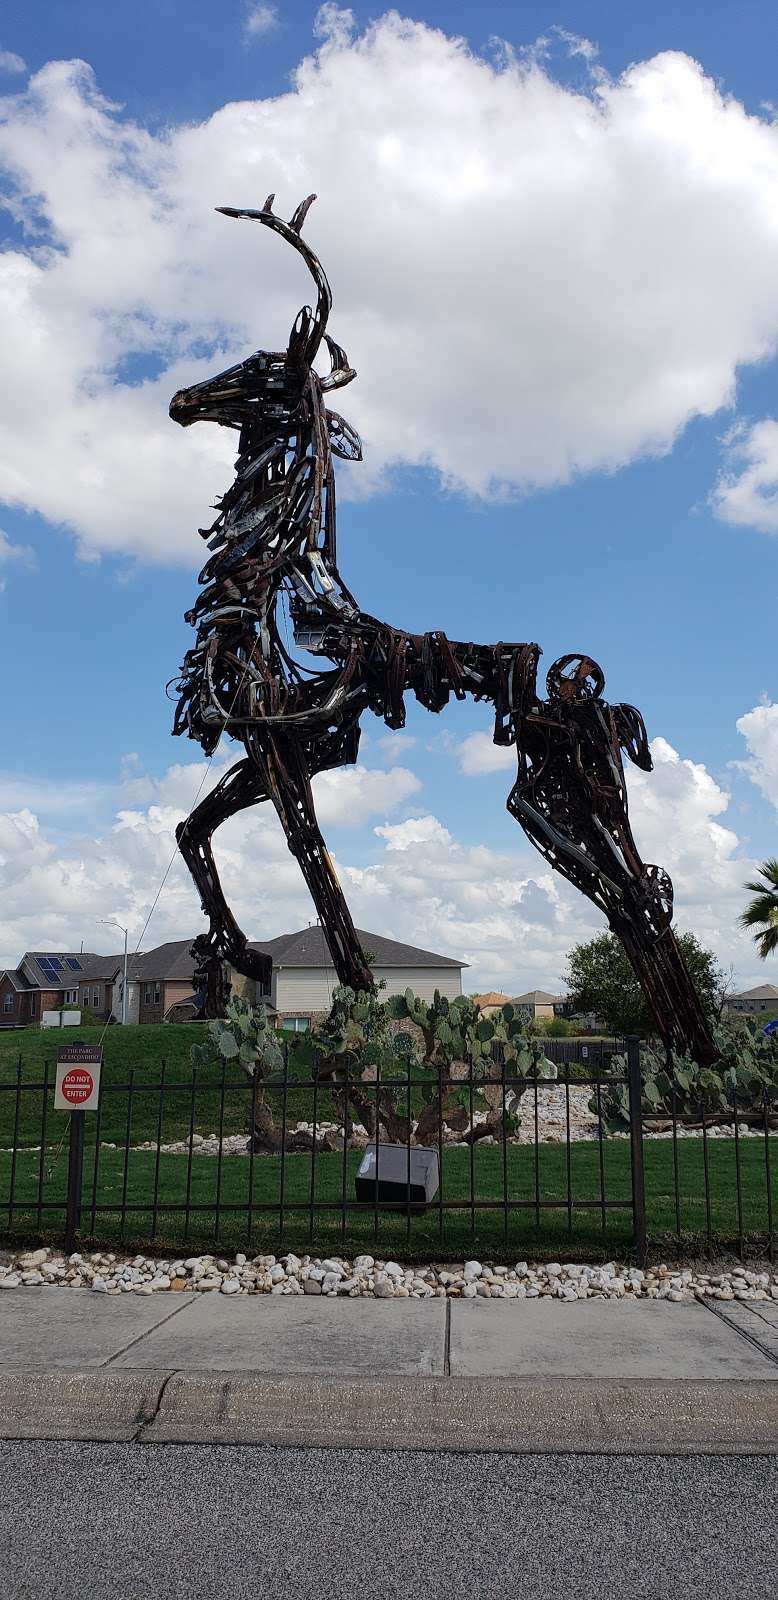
(654, 549)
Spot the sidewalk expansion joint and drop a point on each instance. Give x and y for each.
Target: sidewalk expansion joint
(751, 1338)
(139, 1337)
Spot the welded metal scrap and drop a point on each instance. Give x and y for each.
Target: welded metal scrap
(273, 542)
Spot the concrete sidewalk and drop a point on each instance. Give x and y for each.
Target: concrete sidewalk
(436, 1374)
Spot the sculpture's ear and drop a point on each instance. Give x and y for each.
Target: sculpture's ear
(632, 736)
(297, 349)
(344, 442)
(341, 372)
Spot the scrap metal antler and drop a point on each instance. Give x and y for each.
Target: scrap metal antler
(275, 536)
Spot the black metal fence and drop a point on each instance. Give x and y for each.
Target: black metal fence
(170, 1160)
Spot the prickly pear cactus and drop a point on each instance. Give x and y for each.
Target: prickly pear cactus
(745, 1076)
(467, 1054)
(461, 1062)
(243, 1036)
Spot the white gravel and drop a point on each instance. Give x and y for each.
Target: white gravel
(552, 1115)
(106, 1272)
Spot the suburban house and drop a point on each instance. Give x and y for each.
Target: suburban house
(491, 1002)
(539, 1003)
(304, 977)
(156, 982)
(754, 1001)
(160, 982)
(47, 980)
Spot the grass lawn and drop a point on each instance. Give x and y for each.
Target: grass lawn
(450, 1231)
(133, 1070)
(134, 1056)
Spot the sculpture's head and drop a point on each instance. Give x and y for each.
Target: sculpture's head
(268, 387)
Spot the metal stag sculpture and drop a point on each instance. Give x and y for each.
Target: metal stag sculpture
(274, 535)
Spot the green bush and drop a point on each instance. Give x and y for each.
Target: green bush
(558, 1028)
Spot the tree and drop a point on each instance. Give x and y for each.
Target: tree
(601, 979)
(762, 913)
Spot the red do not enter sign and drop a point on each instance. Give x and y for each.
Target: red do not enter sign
(77, 1086)
(78, 1078)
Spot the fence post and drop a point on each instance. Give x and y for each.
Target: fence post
(75, 1178)
(635, 1090)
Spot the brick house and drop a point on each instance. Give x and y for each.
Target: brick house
(156, 981)
(47, 980)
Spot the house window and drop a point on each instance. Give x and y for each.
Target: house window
(33, 1004)
(297, 1024)
(95, 999)
(71, 997)
(9, 1002)
(153, 994)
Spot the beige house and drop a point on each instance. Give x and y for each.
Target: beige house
(753, 1002)
(539, 1003)
(304, 978)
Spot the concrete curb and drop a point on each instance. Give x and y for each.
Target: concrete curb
(508, 1415)
(105, 1406)
(505, 1415)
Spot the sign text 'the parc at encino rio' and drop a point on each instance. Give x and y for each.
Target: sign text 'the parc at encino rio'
(78, 1077)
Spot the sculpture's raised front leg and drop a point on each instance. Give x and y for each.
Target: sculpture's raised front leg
(225, 941)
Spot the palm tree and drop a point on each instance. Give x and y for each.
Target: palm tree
(762, 913)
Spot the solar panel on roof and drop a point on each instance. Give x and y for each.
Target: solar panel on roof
(75, 966)
(55, 962)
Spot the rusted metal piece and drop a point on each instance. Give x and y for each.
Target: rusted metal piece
(274, 539)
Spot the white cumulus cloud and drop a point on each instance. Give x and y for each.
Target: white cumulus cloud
(11, 62)
(746, 491)
(479, 753)
(534, 281)
(260, 19)
(12, 554)
(759, 728)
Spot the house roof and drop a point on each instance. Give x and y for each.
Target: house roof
(538, 997)
(64, 969)
(492, 998)
(171, 960)
(17, 979)
(308, 948)
(305, 948)
(763, 991)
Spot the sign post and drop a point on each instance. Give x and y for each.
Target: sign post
(77, 1090)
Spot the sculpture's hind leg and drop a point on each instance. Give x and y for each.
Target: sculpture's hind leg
(243, 786)
(286, 773)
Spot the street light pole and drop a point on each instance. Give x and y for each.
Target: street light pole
(109, 922)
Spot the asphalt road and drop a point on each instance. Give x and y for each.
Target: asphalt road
(129, 1521)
